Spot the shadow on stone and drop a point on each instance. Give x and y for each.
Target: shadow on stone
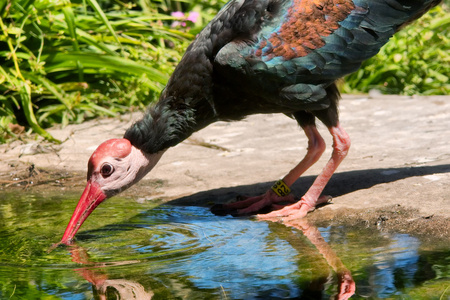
(340, 184)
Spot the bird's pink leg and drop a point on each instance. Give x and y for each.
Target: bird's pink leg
(316, 146)
(341, 144)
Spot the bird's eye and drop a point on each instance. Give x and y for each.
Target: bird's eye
(106, 170)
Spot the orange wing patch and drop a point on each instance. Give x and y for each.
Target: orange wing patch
(308, 21)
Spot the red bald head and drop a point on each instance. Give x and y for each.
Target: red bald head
(113, 167)
(116, 148)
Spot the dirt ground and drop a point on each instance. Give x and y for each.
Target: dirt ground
(396, 176)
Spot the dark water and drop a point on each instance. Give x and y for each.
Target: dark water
(133, 249)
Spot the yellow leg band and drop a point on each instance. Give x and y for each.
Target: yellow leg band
(281, 189)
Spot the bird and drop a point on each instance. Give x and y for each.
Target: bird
(255, 57)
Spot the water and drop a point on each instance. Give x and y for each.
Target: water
(142, 250)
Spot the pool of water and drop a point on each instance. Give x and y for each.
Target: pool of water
(130, 249)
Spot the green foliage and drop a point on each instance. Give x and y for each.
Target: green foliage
(67, 61)
(63, 62)
(415, 61)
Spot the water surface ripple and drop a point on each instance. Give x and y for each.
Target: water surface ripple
(144, 251)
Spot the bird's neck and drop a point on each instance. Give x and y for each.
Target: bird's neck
(168, 123)
(185, 106)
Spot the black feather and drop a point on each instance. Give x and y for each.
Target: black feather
(161, 127)
(229, 72)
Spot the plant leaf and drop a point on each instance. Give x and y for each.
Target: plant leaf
(94, 4)
(67, 61)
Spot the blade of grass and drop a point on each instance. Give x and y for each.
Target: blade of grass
(91, 106)
(66, 61)
(52, 88)
(25, 97)
(11, 48)
(439, 22)
(24, 90)
(71, 26)
(94, 4)
(88, 39)
(70, 20)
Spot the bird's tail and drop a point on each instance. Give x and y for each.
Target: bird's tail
(397, 12)
(417, 8)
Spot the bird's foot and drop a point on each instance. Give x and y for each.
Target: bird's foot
(253, 205)
(297, 210)
(346, 287)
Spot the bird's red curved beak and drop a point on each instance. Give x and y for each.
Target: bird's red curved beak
(90, 199)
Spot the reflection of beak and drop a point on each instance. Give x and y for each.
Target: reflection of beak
(96, 274)
(90, 199)
(93, 275)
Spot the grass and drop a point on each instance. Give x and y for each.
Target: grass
(415, 62)
(65, 62)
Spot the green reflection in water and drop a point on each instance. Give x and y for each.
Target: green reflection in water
(128, 248)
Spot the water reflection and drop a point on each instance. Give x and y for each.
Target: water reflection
(246, 260)
(346, 284)
(182, 252)
(395, 267)
(103, 287)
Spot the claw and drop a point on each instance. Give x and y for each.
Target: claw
(296, 211)
(245, 206)
(324, 200)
